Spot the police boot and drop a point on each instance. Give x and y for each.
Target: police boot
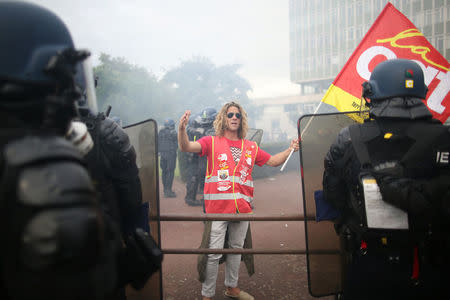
(193, 202)
(170, 194)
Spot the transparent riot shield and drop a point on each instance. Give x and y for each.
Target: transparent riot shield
(318, 132)
(255, 135)
(143, 136)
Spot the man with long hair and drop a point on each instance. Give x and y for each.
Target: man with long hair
(228, 187)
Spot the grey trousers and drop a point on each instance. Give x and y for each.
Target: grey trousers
(236, 236)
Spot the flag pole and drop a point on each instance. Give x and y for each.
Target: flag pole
(307, 125)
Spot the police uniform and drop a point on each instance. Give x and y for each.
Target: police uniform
(53, 232)
(167, 147)
(112, 163)
(404, 152)
(200, 126)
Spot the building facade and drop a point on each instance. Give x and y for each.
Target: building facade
(279, 115)
(324, 33)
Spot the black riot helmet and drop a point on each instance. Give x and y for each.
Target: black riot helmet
(38, 65)
(207, 117)
(395, 78)
(396, 89)
(86, 83)
(169, 124)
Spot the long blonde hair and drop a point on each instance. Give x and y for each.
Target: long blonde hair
(220, 123)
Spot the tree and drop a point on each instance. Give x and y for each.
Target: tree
(133, 92)
(198, 83)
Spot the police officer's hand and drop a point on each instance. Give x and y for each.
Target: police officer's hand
(294, 145)
(184, 120)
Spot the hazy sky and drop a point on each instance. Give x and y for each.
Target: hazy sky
(159, 34)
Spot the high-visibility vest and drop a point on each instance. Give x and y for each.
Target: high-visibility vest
(229, 187)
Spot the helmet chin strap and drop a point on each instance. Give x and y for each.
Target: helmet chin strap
(363, 102)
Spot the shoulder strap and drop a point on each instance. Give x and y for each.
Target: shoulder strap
(359, 146)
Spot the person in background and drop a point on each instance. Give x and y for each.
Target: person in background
(201, 126)
(167, 147)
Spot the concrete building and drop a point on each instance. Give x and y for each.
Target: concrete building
(279, 115)
(324, 33)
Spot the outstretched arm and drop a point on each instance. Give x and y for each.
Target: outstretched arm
(279, 158)
(183, 140)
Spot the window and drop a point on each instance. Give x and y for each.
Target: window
(439, 43)
(350, 36)
(405, 6)
(359, 10)
(358, 33)
(334, 17)
(293, 107)
(439, 15)
(438, 3)
(417, 6)
(350, 14)
(418, 20)
(309, 108)
(428, 17)
(275, 124)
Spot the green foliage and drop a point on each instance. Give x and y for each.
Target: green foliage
(135, 94)
(197, 83)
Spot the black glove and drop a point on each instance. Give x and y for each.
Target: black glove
(404, 193)
(140, 259)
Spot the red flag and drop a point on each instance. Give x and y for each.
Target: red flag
(392, 35)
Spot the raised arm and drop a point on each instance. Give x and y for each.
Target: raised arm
(183, 140)
(279, 158)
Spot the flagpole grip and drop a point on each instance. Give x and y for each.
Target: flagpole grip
(285, 162)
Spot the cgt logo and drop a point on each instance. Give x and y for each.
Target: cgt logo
(435, 100)
(442, 157)
(432, 72)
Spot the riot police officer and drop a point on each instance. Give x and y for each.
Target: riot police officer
(389, 177)
(200, 126)
(53, 236)
(167, 147)
(118, 120)
(112, 163)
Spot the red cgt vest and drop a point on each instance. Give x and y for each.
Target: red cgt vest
(229, 187)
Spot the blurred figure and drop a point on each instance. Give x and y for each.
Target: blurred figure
(167, 147)
(228, 190)
(390, 179)
(117, 120)
(200, 126)
(53, 233)
(112, 163)
(142, 220)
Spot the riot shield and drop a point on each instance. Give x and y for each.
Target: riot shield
(318, 132)
(143, 136)
(255, 135)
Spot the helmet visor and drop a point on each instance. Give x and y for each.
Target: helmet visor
(89, 87)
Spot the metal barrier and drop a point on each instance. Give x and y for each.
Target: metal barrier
(238, 217)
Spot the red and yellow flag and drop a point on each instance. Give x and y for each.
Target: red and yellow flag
(392, 36)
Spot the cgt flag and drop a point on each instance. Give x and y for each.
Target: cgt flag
(392, 36)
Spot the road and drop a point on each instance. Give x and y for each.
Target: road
(277, 277)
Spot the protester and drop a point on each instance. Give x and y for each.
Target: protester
(228, 188)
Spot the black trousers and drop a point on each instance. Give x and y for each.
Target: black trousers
(168, 162)
(379, 277)
(196, 176)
